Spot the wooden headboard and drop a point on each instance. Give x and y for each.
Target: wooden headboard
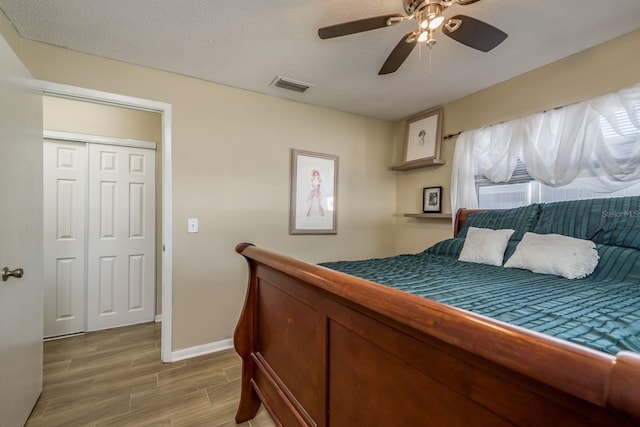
(461, 217)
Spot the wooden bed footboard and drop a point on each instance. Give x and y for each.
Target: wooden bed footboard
(320, 348)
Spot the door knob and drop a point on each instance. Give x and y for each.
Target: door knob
(6, 273)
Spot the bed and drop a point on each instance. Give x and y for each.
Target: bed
(321, 346)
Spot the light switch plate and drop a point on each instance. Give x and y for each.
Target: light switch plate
(192, 225)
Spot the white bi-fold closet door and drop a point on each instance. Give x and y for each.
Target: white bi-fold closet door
(99, 244)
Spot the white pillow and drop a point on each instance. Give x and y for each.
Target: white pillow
(555, 254)
(485, 246)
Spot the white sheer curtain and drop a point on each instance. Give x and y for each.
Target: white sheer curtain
(596, 138)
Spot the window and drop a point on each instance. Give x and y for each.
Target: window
(513, 195)
(522, 189)
(588, 149)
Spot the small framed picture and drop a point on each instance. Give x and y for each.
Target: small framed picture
(432, 200)
(423, 135)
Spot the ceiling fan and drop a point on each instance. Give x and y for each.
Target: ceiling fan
(428, 14)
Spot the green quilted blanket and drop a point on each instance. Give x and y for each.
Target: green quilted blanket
(601, 311)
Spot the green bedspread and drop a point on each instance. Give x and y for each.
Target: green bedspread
(601, 311)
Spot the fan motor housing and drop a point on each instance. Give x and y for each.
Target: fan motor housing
(412, 6)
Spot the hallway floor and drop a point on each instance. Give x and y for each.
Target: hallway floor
(115, 378)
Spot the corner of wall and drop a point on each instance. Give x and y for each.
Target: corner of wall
(10, 34)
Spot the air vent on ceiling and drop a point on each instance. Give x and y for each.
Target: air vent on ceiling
(290, 84)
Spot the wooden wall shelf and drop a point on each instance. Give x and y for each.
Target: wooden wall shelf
(419, 164)
(429, 215)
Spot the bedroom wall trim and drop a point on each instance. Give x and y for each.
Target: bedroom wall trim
(201, 350)
(165, 109)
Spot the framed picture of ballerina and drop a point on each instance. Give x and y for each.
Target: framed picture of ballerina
(423, 135)
(314, 188)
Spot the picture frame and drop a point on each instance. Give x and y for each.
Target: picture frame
(423, 137)
(314, 188)
(432, 200)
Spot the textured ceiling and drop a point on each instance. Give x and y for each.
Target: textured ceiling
(247, 43)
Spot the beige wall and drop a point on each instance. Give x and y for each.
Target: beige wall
(74, 116)
(9, 33)
(596, 71)
(231, 164)
(96, 119)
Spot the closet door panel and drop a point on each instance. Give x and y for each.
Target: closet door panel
(65, 181)
(121, 233)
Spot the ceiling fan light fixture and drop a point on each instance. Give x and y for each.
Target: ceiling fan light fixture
(436, 22)
(428, 16)
(426, 37)
(432, 23)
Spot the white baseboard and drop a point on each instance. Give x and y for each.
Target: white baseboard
(199, 350)
(158, 318)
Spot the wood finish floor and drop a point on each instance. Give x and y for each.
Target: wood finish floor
(116, 378)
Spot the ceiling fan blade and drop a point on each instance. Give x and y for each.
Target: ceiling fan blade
(466, 2)
(358, 26)
(474, 33)
(399, 54)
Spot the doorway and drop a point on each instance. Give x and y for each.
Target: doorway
(99, 233)
(165, 111)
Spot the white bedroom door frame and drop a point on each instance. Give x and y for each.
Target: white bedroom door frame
(165, 110)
